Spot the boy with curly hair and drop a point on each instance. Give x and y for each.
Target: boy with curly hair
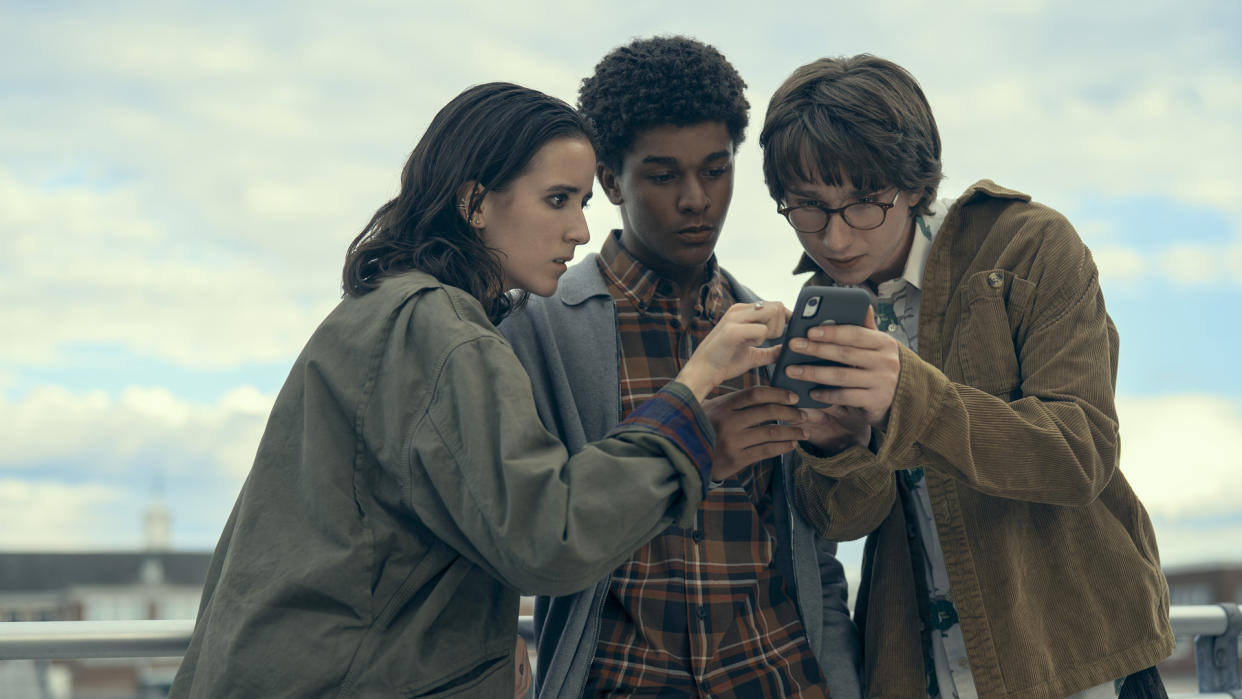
(747, 602)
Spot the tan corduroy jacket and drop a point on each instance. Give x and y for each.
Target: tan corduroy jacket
(1008, 406)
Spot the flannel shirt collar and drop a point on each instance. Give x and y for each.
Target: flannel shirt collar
(642, 285)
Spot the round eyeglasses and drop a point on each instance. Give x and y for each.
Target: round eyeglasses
(859, 215)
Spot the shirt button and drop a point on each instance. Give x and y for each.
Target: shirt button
(697, 535)
(995, 280)
(702, 612)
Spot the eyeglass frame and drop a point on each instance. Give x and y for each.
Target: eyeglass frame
(786, 210)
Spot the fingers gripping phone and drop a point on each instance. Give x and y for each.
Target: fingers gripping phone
(817, 305)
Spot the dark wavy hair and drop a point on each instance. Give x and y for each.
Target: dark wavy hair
(863, 116)
(487, 134)
(662, 80)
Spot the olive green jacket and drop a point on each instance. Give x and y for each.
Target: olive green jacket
(1008, 406)
(403, 493)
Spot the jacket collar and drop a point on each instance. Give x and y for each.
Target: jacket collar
(582, 281)
(988, 188)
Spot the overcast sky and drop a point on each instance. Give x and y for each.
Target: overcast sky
(179, 182)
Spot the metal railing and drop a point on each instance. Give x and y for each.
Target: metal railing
(74, 640)
(1216, 628)
(63, 640)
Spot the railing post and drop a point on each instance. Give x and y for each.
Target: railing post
(1216, 657)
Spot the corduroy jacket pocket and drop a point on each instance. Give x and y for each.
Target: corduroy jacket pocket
(994, 306)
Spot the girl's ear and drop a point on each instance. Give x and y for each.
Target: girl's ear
(468, 194)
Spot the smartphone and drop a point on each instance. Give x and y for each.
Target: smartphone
(817, 305)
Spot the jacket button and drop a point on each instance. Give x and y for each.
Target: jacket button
(697, 535)
(995, 280)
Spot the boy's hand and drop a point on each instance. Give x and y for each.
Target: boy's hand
(869, 379)
(522, 679)
(745, 430)
(838, 429)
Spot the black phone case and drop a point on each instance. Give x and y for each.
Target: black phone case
(835, 304)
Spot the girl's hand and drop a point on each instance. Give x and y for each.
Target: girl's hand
(732, 347)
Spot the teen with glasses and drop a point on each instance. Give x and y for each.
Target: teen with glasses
(972, 435)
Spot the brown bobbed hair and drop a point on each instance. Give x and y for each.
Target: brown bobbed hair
(488, 135)
(860, 117)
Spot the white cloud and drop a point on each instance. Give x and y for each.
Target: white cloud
(91, 436)
(1179, 264)
(58, 516)
(1184, 264)
(223, 166)
(1182, 453)
(78, 469)
(86, 268)
(1197, 265)
(1119, 264)
(214, 174)
(1155, 129)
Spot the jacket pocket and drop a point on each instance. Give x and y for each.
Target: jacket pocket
(990, 332)
(485, 680)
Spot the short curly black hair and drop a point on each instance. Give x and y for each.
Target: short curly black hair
(662, 80)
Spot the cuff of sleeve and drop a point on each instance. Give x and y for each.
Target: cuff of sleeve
(674, 414)
(857, 461)
(919, 388)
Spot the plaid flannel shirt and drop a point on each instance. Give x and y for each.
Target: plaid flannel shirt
(701, 610)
